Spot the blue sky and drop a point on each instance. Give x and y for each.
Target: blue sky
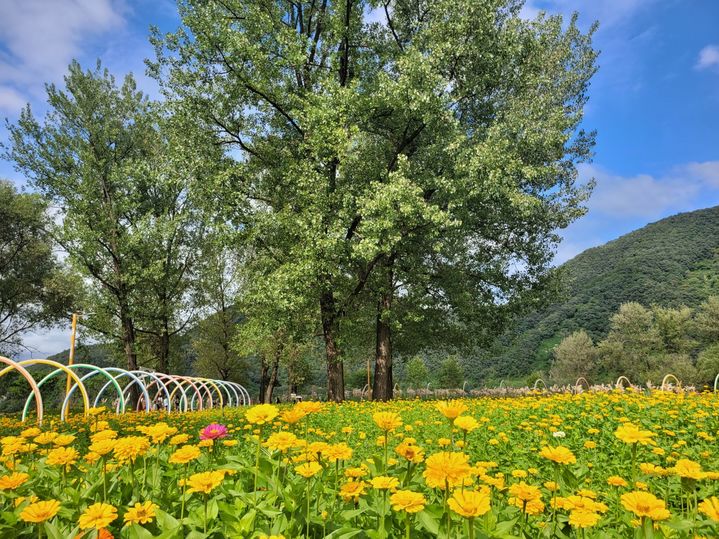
(654, 100)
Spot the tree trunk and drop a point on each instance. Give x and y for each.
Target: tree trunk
(272, 379)
(163, 357)
(264, 376)
(383, 385)
(128, 344)
(330, 329)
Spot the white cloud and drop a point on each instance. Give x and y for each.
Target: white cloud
(10, 100)
(647, 196)
(607, 12)
(621, 204)
(41, 37)
(708, 57)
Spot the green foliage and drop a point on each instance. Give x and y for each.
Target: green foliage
(416, 373)
(451, 373)
(667, 263)
(34, 291)
(434, 158)
(574, 356)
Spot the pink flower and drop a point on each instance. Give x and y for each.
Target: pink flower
(213, 431)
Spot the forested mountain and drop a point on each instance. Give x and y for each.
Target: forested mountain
(672, 262)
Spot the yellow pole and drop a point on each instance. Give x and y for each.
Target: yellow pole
(71, 356)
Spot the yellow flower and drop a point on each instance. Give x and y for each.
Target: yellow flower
(261, 414)
(281, 441)
(466, 422)
(293, 415)
(447, 470)
(645, 504)
(158, 432)
(337, 452)
(178, 439)
(30, 432)
(40, 511)
(63, 456)
(63, 439)
(470, 503)
(352, 490)
(13, 481)
(526, 497)
(710, 508)
(631, 434)
(141, 513)
(387, 421)
(131, 447)
(616, 481)
(356, 472)
(45, 438)
(187, 453)
(558, 454)
(408, 450)
(106, 434)
(308, 469)
(98, 515)
(102, 447)
(383, 482)
(451, 409)
(408, 501)
(688, 468)
(580, 518)
(205, 482)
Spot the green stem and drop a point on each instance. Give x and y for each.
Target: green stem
(307, 520)
(182, 507)
(471, 528)
(406, 532)
(205, 521)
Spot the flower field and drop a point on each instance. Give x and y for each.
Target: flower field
(616, 464)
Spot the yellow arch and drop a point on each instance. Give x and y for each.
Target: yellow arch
(50, 363)
(15, 366)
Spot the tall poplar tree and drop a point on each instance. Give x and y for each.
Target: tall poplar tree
(387, 149)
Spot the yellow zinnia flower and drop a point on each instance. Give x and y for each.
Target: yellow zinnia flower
(141, 513)
(558, 454)
(383, 482)
(205, 482)
(387, 421)
(98, 515)
(631, 434)
(261, 414)
(710, 508)
(13, 481)
(451, 409)
(187, 453)
(308, 469)
(63, 456)
(645, 504)
(470, 503)
(40, 511)
(408, 501)
(447, 469)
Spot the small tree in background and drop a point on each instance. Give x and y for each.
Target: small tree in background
(417, 374)
(451, 373)
(575, 356)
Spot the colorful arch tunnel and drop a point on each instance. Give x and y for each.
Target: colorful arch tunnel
(97, 386)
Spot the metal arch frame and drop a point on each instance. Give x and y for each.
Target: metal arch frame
(121, 374)
(35, 390)
(141, 374)
(203, 382)
(58, 368)
(192, 385)
(171, 378)
(112, 380)
(246, 399)
(94, 370)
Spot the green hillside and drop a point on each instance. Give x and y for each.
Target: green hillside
(672, 262)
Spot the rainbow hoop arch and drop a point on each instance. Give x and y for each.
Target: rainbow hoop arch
(170, 392)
